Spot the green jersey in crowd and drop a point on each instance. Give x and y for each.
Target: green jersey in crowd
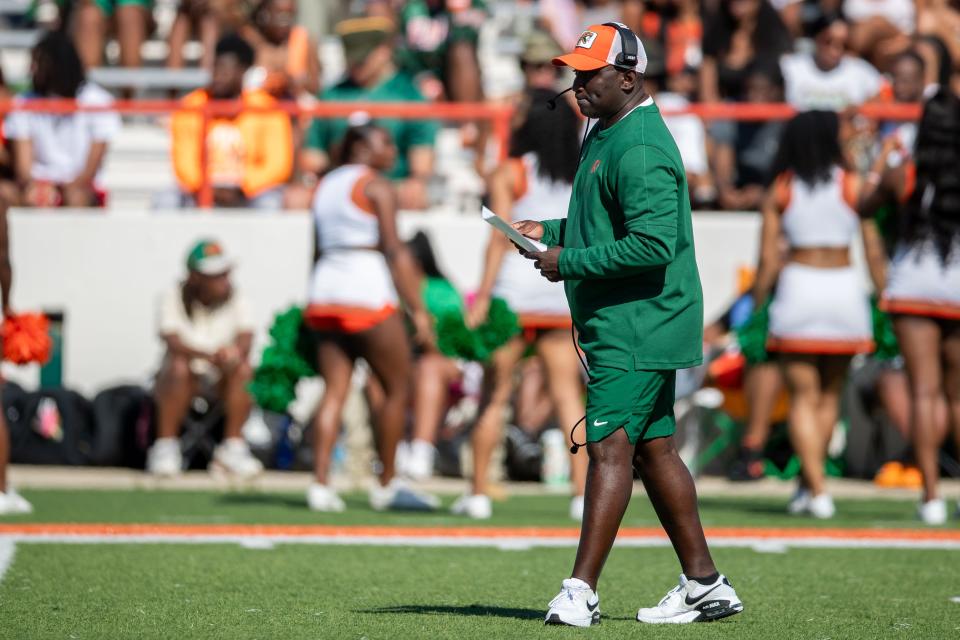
(628, 259)
(428, 29)
(325, 133)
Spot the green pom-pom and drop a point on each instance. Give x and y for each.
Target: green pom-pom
(281, 365)
(752, 335)
(883, 334)
(501, 325)
(454, 338)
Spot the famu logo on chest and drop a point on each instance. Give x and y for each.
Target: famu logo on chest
(586, 39)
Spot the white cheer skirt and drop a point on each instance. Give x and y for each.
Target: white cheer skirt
(820, 311)
(539, 303)
(919, 284)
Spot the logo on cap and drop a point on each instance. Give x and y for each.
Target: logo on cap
(586, 39)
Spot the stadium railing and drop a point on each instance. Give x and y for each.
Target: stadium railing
(498, 115)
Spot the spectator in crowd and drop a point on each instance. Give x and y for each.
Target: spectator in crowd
(735, 34)
(534, 183)
(539, 49)
(560, 19)
(372, 76)
(880, 29)
(819, 316)
(11, 502)
(206, 327)
(675, 25)
(922, 281)
(210, 20)
(287, 62)
(57, 157)
(249, 155)
(362, 273)
(687, 130)
(439, 42)
(91, 23)
(907, 72)
(744, 151)
(438, 48)
(829, 78)
(941, 19)
(791, 12)
(600, 11)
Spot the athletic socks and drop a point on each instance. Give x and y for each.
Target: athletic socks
(710, 579)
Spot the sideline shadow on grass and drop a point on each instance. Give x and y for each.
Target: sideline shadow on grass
(849, 510)
(479, 610)
(772, 507)
(259, 499)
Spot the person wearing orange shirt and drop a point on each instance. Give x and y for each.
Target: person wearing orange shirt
(249, 155)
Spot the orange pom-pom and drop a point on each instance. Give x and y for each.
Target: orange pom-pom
(26, 338)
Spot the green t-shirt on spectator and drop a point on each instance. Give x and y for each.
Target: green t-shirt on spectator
(325, 133)
(428, 32)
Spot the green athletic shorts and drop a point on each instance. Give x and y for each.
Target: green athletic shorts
(109, 6)
(641, 402)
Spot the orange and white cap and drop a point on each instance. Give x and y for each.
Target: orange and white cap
(599, 46)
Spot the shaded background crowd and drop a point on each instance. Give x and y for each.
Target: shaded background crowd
(273, 56)
(827, 55)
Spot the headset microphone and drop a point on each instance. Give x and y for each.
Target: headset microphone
(552, 102)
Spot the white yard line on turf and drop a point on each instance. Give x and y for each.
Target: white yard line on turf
(764, 544)
(7, 548)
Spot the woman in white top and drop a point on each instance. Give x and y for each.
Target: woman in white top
(820, 316)
(353, 310)
(533, 184)
(58, 156)
(922, 290)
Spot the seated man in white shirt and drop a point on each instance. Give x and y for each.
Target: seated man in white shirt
(829, 79)
(208, 332)
(57, 157)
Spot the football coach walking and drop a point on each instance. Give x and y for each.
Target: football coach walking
(625, 253)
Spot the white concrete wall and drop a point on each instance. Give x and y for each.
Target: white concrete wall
(105, 270)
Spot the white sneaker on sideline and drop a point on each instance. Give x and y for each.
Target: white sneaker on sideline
(933, 512)
(576, 508)
(691, 601)
(478, 506)
(576, 605)
(799, 503)
(233, 456)
(164, 458)
(821, 507)
(322, 498)
(420, 458)
(401, 461)
(397, 496)
(12, 503)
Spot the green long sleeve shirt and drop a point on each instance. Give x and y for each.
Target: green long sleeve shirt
(628, 259)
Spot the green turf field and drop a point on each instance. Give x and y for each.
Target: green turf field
(293, 591)
(197, 507)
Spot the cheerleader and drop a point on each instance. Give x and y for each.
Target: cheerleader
(354, 313)
(922, 290)
(533, 184)
(820, 315)
(11, 502)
